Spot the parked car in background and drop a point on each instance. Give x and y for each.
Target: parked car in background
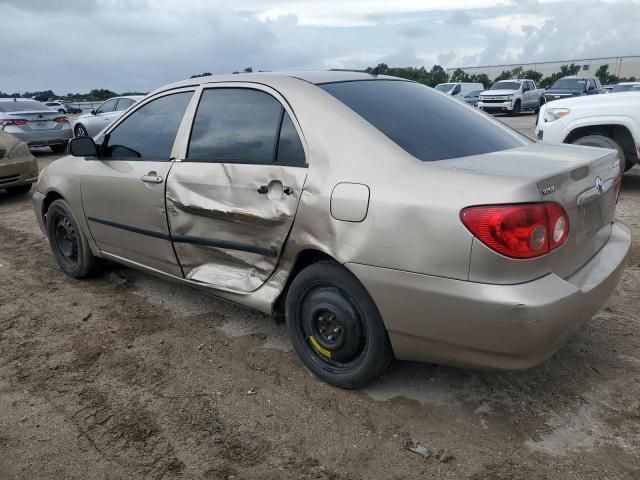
(18, 168)
(608, 121)
(511, 96)
(265, 189)
(572, 86)
(473, 97)
(59, 106)
(458, 89)
(626, 87)
(34, 123)
(94, 122)
(70, 108)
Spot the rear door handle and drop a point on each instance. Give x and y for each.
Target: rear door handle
(151, 178)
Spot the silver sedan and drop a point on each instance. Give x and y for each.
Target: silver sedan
(90, 124)
(380, 217)
(34, 123)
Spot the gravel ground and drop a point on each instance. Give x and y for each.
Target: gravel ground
(129, 376)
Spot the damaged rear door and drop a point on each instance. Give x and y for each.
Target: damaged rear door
(232, 199)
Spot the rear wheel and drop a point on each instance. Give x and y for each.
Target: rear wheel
(80, 131)
(22, 189)
(68, 244)
(61, 111)
(335, 326)
(603, 141)
(61, 148)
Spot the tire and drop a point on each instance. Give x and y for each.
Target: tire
(516, 109)
(61, 111)
(21, 190)
(335, 326)
(603, 141)
(68, 243)
(61, 148)
(80, 131)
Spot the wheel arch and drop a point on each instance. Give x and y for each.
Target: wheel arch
(49, 198)
(304, 258)
(616, 131)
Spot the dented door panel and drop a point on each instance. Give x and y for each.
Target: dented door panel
(228, 229)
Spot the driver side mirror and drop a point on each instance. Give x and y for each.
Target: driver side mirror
(83, 147)
(93, 112)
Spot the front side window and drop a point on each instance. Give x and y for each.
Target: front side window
(426, 124)
(123, 104)
(107, 106)
(149, 132)
(239, 125)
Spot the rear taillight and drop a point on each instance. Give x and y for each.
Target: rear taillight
(13, 121)
(61, 119)
(523, 230)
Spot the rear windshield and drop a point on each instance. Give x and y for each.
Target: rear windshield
(428, 125)
(22, 106)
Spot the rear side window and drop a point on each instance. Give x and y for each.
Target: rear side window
(426, 124)
(290, 151)
(238, 125)
(123, 104)
(149, 132)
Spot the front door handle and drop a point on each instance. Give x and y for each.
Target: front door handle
(151, 177)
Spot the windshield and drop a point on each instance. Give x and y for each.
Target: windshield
(506, 86)
(22, 106)
(445, 87)
(626, 88)
(427, 125)
(570, 84)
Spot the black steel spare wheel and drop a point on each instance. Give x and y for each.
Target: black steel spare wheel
(335, 326)
(68, 244)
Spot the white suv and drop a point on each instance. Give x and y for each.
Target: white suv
(607, 121)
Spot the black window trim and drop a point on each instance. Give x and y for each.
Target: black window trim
(283, 111)
(138, 106)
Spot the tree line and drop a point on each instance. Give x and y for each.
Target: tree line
(431, 77)
(437, 75)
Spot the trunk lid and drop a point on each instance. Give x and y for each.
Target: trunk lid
(36, 119)
(580, 179)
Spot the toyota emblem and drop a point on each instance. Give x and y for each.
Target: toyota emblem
(599, 185)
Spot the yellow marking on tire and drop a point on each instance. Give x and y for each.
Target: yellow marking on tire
(319, 348)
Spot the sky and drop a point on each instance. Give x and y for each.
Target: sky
(139, 45)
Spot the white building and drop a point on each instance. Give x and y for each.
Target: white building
(628, 66)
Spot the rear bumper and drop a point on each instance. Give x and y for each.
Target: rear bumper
(45, 138)
(433, 319)
(17, 174)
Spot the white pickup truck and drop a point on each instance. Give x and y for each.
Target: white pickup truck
(608, 121)
(511, 96)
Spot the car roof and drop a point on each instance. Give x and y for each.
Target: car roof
(314, 77)
(628, 83)
(579, 76)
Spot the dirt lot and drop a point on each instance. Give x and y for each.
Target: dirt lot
(128, 376)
